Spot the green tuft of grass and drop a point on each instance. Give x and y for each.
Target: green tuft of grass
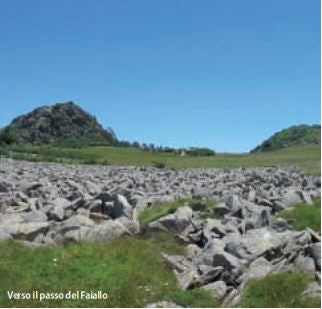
(118, 268)
(282, 290)
(162, 209)
(196, 298)
(304, 215)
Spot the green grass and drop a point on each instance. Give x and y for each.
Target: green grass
(304, 215)
(162, 209)
(282, 290)
(307, 158)
(130, 270)
(196, 298)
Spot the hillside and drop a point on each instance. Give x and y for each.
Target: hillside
(63, 122)
(301, 135)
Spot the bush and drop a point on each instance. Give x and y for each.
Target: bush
(282, 290)
(159, 164)
(8, 137)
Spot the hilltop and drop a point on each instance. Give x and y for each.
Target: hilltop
(62, 122)
(301, 135)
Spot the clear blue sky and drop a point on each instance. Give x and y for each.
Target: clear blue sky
(225, 74)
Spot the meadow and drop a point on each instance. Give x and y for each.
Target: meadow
(307, 158)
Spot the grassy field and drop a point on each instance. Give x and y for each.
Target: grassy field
(307, 158)
(118, 268)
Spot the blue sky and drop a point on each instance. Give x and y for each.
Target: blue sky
(225, 74)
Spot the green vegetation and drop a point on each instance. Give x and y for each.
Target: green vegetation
(200, 152)
(118, 268)
(282, 290)
(196, 298)
(307, 158)
(162, 209)
(301, 135)
(66, 125)
(304, 215)
(159, 164)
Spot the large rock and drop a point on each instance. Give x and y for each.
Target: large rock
(291, 197)
(122, 208)
(226, 260)
(314, 251)
(102, 233)
(28, 231)
(217, 289)
(258, 269)
(176, 222)
(258, 241)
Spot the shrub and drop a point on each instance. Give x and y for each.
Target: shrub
(8, 137)
(159, 164)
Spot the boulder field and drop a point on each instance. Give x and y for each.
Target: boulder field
(48, 204)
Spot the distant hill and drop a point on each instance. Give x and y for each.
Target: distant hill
(59, 123)
(301, 135)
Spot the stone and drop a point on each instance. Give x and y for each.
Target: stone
(28, 231)
(259, 241)
(207, 274)
(280, 225)
(163, 304)
(221, 209)
(94, 205)
(78, 220)
(313, 290)
(122, 207)
(304, 264)
(4, 234)
(57, 213)
(291, 197)
(258, 269)
(102, 233)
(314, 251)
(34, 216)
(226, 260)
(217, 289)
(176, 222)
(192, 250)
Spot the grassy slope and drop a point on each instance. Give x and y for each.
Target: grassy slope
(307, 158)
(119, 268)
